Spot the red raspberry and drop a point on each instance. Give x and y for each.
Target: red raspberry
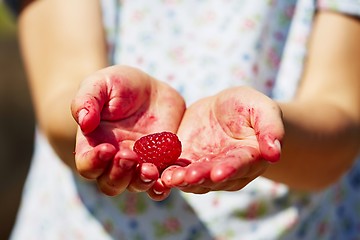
(161, 149)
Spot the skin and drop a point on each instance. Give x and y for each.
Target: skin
(127, 105)
(319, 146)
(55, 78)
(230, 145)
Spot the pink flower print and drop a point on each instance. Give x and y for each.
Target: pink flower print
(238, 72)
(133, 204)
(108, 226)
(273, 58)
(339, 194)
(327, 4)
(137, 16)
(255, 210)
(322, 228)
(291, 222)
(274, 188)
(289, 11)
(248, 24)
(279, 36)
(206, 18)
(170, 78)
(209, 16)
(172, 225)
(269, 83)
(168, 227)
(140, 60)
(130, 205)
(171, 2)
(255, 69)
(215, 202)
(178, 54)
(213, 43)
(272, 2)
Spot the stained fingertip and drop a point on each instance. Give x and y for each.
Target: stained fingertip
(127, 164)
(106, 153)
(178, 177)
(166, 176)
(271, 150)
(222, 173)
(194, 176)
(148, 172)
(127, 154)
(88, 121)
(198, 172)
(159, 189)
(158, 197)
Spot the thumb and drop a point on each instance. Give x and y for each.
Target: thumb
(88, 103)
(112, 93)
(270, 131)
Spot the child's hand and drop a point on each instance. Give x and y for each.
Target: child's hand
(114, 107)
(228, 140)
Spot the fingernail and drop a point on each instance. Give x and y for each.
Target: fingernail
(127, 164)
(274, 144)
(201, 181)
(276, 151)
(81, 115)
(277, 145)
(184, 184)
(145, 179)
(166, 176)
(127, 154)
(157, 192)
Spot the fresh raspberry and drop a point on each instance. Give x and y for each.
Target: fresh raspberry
(161, 149)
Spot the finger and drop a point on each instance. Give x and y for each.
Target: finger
(117, 177)
(91, 163)
(112, 93)
(167, 176)
(198, 172)
(236, 164)
(264, 116)
(87, 105)
(146, 175)
(193, 174)
(270, 131)
(158, 191)
(174, 176)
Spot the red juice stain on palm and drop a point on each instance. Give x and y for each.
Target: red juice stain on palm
(161, 149)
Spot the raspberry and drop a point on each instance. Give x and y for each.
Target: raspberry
(161, 149)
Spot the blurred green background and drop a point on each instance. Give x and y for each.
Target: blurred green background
(16, 123)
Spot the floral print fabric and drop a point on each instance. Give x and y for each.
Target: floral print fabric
(199, 47)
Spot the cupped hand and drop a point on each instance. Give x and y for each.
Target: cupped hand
(114, 107)
(228, 140)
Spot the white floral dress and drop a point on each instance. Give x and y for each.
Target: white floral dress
(199, 47)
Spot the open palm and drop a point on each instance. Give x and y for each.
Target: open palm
(226, 139)
(113, 108)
